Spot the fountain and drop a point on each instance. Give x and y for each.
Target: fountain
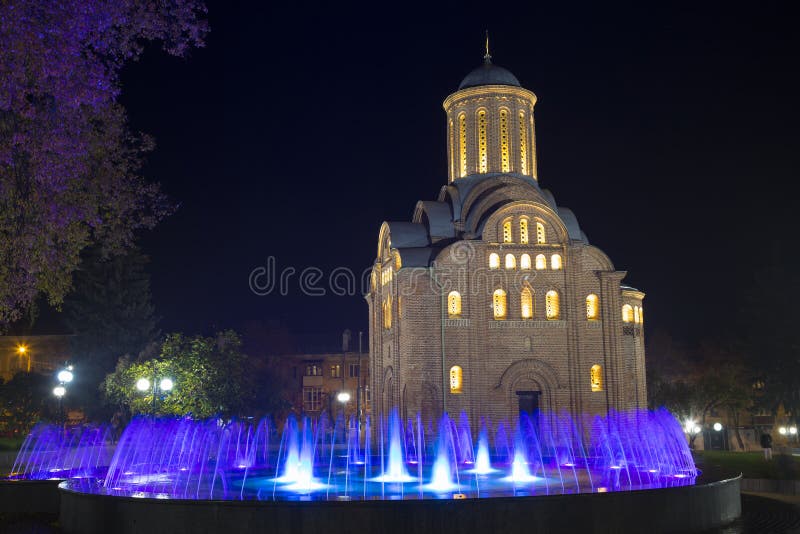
(332, 460)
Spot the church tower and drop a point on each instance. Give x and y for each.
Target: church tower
(491, 301)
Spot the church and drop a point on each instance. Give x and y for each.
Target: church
(491, 300)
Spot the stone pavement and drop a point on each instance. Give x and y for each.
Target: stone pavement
(766, 513)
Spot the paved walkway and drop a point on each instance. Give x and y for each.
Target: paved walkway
(766, 513)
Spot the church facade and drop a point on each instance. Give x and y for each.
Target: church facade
(491, 300)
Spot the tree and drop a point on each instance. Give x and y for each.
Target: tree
(111, 314)
(69, 166)
(25, 400)
(210, 376)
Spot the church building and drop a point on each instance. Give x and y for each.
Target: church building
(491, 300)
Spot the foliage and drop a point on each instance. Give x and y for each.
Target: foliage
(111, 314)
(210, 376)
(69, 166)
(25, 400)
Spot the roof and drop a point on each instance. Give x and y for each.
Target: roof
(489, 74)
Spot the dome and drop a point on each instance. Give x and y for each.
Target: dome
(489, 74)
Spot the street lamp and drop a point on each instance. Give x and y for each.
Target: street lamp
(782, 430)
(717, 426)
(64, 377)
(165, 385)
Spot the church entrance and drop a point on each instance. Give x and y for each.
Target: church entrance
(529, 407)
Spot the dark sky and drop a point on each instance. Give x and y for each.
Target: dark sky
(671, 131)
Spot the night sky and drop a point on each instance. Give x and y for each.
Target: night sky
(671, 132)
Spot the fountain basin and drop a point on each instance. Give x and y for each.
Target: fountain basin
(690, 508)
(29, 497)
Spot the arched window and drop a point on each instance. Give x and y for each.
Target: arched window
(523, 231)
(387, 313)
(483, 161)
(505, 163)
(541, 262)
(551, 305)
(451, 137)
(540, 238)
(526, 303)
(523, 144)
(592, 307)
(454, 304)
(525, 262)
(641, 315)
(511, 261)
(507, 238)
(636, 314)
(462, 145)
(627, 313)
(456, 379)
(555, 262)
(499, 304)
(494, 261)
(596, 377)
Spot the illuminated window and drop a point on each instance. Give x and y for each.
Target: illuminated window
(596, 377)
(462, 145)
(523, 144)
(523, 231)
(499, 304)
(494, 261)
(452, 149)
(504, 160)
(592, 311)
(511, 261)
(336, 371)
(641, 315)
(541, 262)
(454, 304)
(526, 303)
(627, 313)
(483, 162)
(313, 369)
(507, 232)
(636, 314)
(555, 262)
(540, 239)
(551, 305)
(525, 262)
(387, 313)
(456, 379)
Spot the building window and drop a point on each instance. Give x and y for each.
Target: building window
(636, 314)
(494, 261)
(511, 261)
(483, 162)
(523, 144)
(555, 262)
(596, 376)
(454, 304)
(353, 370)
(627, 313)
(387, 313)
(452, 149)
(592, 307)
(523, 231)
(367, 394)
(540, 237)
(526, 304)
(525, 262)
(499, 304)
(504, 159)
(336, 371)
(313, 369)
(641, 315)
(507, 231)
(312, 399)
(552, 306)
(541, 262)
(456, 379)
(462, 145)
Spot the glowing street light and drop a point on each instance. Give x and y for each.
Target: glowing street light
(166, 384)
(21, 349)
(792, 430)
(65, 376)
(782, 431)
(343, 397)
(59, 391)
(717, 426)
(143, 384)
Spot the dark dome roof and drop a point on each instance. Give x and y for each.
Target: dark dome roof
(489, 74)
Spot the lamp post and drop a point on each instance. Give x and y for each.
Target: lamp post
(165, 385)
(343, 397)
(64, 377)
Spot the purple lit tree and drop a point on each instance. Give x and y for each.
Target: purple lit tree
(69, 166)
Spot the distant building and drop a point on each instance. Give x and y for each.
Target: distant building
(38, 354)
(313, 382)
(491, 300)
